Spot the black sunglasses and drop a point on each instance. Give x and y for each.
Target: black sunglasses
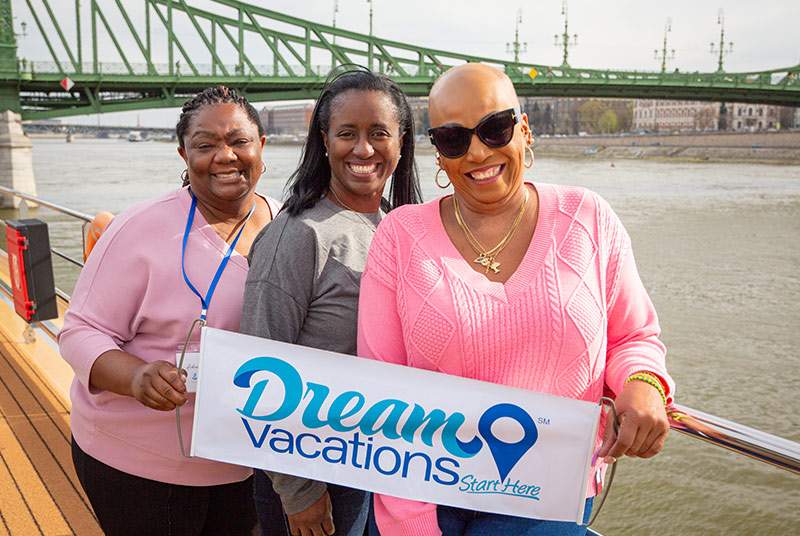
(495, 130)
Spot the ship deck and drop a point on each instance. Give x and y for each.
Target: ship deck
(39, 490)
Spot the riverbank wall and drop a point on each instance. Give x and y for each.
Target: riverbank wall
(761, 147)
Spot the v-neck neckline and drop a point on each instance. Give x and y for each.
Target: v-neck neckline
(202, 226)
(531, 262)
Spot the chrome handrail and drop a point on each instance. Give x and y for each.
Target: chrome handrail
(66, 257)
(63, 295)
(58, 208)
(48, 204)
(767, 448)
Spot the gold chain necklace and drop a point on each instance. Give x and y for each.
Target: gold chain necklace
(486, 257)
(363, 219)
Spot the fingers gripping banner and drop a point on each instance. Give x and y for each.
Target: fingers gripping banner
(391, 429)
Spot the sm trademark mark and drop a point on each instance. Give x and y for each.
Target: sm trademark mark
(543, 420)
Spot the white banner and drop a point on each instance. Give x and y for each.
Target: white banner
(391, 429)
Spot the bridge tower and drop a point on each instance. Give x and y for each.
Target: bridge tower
(16, 156)
(664, 54)
(9, 91)
(722, 50)
(516, 47)
(563, 40)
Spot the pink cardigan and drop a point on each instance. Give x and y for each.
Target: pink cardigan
(131, 296)
(573, 320)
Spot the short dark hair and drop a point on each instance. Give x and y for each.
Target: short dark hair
(209, 97)
(311, 180)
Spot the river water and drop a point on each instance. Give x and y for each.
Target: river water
(717, 247)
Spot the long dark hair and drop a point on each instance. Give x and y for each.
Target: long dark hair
(209, 97)
(311, 179)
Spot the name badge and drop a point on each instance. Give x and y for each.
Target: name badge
(191, 364)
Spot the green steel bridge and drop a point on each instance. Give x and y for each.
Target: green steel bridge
(272, 56)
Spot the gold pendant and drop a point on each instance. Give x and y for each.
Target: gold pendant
(488, 262)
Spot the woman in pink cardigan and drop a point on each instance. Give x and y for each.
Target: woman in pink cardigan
(133, 305)
(527, 285)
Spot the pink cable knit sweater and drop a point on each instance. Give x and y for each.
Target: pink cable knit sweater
(573, 320)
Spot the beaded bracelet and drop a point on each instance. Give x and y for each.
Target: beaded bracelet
(650, 379)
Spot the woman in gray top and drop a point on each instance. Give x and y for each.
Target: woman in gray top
(305, 268)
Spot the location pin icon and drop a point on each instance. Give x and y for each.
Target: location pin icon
(506, 455)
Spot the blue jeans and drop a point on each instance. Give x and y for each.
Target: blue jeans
(460, 522)
(350, 508)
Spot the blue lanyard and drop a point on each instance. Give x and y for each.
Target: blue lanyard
(205, 302)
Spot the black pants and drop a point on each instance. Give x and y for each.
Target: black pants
(130, 505)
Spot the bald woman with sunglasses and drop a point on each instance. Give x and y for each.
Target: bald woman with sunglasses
(530, 285)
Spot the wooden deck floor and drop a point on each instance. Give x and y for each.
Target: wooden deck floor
(39, 491)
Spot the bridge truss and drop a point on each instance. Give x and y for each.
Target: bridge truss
(156, 48)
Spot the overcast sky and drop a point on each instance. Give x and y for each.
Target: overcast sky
(620, 34)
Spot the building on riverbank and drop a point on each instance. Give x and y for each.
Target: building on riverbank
(674, 115)
(294, 119)
(586, 116)
(753, 117)
(669, 115)
(287, 119)
(419, 109)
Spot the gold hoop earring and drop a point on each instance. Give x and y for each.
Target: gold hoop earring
(263, 168)
(436, 180)
(528, 150)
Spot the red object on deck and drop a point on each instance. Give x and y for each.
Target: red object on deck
(31, 268)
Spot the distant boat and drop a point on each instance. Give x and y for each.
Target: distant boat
(590, 151)
(135, 135)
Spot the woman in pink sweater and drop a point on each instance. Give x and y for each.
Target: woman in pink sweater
(527, 285)
(132, 308)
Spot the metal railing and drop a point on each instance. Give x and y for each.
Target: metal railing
(736, 437)
(58, 208)
(85, 218)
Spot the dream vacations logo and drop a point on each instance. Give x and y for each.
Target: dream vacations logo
(507, 455)
(350, 413)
